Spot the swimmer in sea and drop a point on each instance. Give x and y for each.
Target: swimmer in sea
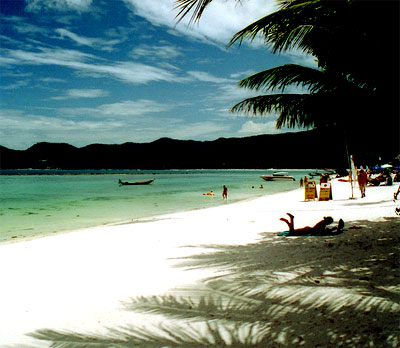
(211, 193)
(224, 192)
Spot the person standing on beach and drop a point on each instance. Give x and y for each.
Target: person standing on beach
(396, 194)
(362, 182)
(224, 192)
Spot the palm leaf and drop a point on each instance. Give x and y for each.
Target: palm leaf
(290, 27)
(64, 339)
(176, 336)
(185, 6)
(296, 110)
(314, 80)
(344, 107)
(283, 76)
(208, 307)
(198, 7)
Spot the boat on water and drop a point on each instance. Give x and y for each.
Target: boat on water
(123, 183)
(278, 176)
(315, 174)
(324, 172)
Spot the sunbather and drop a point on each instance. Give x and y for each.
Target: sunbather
(319, 229)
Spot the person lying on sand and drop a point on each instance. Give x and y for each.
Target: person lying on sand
(318, 229)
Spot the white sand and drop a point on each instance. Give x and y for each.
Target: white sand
(77, 281)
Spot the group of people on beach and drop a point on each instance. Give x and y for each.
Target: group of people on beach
(324, 178)
(384, 178)
(320, 228)
(364, 179)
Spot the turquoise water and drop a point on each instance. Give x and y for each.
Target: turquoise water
(32, 205)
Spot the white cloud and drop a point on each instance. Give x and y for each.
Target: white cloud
(43, 128)
(85, 41)
(198, 130)
(52, 79)
(87, 93)
(58, 5)
(157, 52)
(133, 108)
(82, 93)
(207, 77)
(251, 127)
(78, 39)
(220, 21)
(45, 56)
(7, 61)
(113, 131)
(27, 28)
(135, 73)
(242, 74)
(266, 125)
(232, 93)
(120, 109)
(15, 85)
(299, 57)
(129, 72)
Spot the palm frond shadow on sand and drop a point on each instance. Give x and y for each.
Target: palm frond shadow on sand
(339, 291)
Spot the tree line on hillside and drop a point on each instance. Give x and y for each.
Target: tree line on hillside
(312, 149)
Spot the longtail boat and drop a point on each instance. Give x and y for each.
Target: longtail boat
(123, 183)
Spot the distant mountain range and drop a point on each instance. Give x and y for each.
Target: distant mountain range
(311, 149)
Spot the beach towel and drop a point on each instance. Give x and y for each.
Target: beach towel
(324, 233)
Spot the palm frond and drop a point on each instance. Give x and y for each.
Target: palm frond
(175, 336)
(287, 28)
(321, 109)
(296, 110)
(285, 75)
(296, 38)
(64, 339)
(210, 307)
(186, 6)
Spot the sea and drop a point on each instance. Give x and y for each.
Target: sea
(41, 202)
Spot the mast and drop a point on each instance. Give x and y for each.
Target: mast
(353, 175)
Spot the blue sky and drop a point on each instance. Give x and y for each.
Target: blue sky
(113, 71)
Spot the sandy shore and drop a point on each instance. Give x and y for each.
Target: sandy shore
(220, 275)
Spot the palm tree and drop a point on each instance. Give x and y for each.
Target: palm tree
(356, 46)
(320, 105)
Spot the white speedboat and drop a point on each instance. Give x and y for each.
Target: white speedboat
(278, 176)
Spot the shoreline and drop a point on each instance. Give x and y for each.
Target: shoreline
(83, 205)
(145, 219)
(78, 281)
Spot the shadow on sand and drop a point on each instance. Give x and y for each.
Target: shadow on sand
(338, 291)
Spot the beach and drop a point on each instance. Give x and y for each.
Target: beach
(213, 275)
